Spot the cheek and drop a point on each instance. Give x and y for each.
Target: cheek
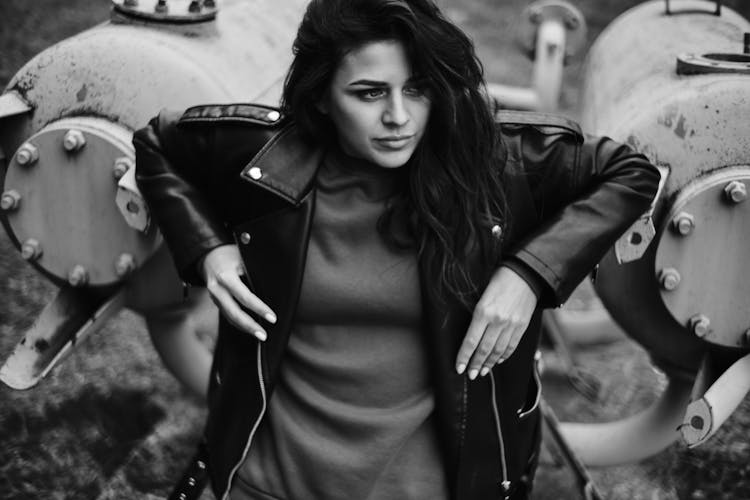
(355, 122)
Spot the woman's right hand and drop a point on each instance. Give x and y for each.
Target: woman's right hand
(222, 268)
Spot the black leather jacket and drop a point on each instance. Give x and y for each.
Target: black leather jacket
(241, 173)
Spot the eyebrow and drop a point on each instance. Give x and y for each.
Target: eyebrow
(376, 83)
(369, 83)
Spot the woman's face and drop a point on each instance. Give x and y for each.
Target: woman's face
(378, 107)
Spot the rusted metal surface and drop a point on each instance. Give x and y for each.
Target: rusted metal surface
(685, 298)
(66, 122)
(691, 126)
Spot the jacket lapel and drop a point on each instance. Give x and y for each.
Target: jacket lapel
(286, 165)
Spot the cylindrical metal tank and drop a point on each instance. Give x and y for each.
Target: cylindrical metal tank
(67, 154)
(670, 79)
(676, 86)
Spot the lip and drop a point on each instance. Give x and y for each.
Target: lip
(394, 142)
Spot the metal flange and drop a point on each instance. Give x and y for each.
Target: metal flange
(61, 194)
(557, 11)
(703, 241)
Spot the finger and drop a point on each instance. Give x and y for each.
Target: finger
(515, 339)
(233, 283)
(499, 348)
(496, 356)
(485, 348)
(233, 312)
(470, 343)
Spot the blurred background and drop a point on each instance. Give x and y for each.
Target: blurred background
(110, 422)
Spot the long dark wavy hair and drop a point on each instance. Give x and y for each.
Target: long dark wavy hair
(454, 194)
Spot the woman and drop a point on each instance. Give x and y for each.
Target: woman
(380, 255)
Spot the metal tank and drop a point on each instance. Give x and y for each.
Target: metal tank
(69, 200)
(672, 79)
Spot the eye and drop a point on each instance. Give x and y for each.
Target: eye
(370, 94)
(415, 90)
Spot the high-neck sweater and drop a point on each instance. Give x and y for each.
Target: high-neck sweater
(351, 415)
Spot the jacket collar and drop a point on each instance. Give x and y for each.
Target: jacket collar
(286, 165)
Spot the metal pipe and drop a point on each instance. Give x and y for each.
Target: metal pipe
(633, 438)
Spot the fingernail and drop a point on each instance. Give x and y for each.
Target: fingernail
(484, 371)
(460, 368)
(260, 335)
(473, 374)
(270, 317)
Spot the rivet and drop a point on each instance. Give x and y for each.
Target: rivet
(161, 7)
(183, 496)
(121, 166)
(535, 15)
(125, 265)
(78, 276)
(256, 173)
(669, 278)
(697, 422)
(217, 377)
(273, 115)
(191, 482)
(27, 154)
(497, 231)
(735, 192)
(201, 464)
(195, 6)
(73, 140)
(683, 223)
(700, 325)
(31, 250)
(10, 200)
(245, 238)
(572, 22)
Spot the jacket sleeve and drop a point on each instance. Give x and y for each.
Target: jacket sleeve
(587, 192)
(172, 172)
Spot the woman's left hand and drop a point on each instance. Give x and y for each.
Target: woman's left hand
(499, 320)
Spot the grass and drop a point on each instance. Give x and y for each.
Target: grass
(110, 423)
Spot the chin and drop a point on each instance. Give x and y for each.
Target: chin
(394, 159)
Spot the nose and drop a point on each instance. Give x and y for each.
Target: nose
(395, 114)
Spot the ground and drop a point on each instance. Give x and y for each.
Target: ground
(110, 423)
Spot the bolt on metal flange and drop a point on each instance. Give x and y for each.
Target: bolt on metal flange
(121, 166)
(10, 200)
(195, 6)
(78, 276)
(27, 154)
(700, 325)
(735, 192)
(669, 278)
(683, 223)
(125, 265)
(161, 7)
(73, 140)
(31, 250)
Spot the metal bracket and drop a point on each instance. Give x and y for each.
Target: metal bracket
(716, 12)
(12, 104)
(634, 242)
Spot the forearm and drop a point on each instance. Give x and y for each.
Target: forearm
(168, 175)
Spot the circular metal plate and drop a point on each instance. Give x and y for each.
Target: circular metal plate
(711, 259)
(68, 202)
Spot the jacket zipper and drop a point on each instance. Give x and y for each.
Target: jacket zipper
(505, 485)
(254, 429)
